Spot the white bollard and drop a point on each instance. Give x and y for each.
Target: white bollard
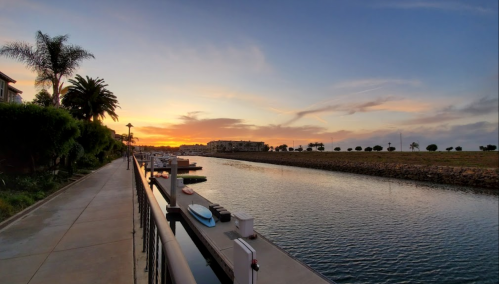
(245, 263)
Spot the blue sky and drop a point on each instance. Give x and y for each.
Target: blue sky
(358, 73)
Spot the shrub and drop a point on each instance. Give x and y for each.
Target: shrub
(337, 149)
(377, 148)
(459, 148)
(37, 135)
(390, 149)
(321, 148)
(349, 149)
(368, 149)
(6, 210)
(291, 149)
(491, 147)
(358, 148)
(309, 149)
(449, 149)
(20, 200)
(432, 147)
(88, 161)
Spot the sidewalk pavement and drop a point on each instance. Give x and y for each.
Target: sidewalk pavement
(83, 235)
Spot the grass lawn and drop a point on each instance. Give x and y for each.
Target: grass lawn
(477, 159)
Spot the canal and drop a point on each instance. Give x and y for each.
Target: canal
(363, 229)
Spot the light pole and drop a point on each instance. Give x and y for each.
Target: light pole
(129, 125)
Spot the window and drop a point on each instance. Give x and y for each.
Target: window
(2, 87)
(11, 97)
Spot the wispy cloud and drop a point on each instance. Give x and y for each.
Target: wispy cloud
(479, 107)
(347, 109)
(438, 5)
(375, 83)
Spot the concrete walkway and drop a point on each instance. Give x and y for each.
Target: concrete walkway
(83, 235)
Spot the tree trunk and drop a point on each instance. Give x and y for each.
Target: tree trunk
(55, 95)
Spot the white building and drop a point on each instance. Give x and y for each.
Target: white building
(236, 146)
(193, 149)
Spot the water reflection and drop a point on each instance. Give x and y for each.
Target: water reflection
(363, 229)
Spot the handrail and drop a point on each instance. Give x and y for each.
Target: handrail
(173, 266)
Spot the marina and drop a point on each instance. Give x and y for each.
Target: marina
(362, 229)
(276, 266)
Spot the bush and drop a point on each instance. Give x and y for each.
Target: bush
(88, 161)
(377, 148)
(459, 148)
(321, 148)
(491, 147)
(449, 149)
(368, 149)
(6, 210)
(390, 149)
(358, 148)
(337, 149)
(349, 149)
(432, 147)
(36, 135)
(21, 200)
(309, 149)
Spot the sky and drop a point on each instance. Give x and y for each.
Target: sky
(345, 73)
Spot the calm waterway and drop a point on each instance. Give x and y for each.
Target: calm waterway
(363, 229)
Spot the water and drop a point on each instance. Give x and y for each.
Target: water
(363, 229)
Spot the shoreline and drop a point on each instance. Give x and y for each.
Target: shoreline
(485, 178)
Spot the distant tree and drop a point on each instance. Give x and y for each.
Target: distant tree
(43, 98)
(266, 148)
(271, 148)
(300, 148)
(321, 148)
(413, 146)
(51, 59)
(377, 148)
(459, 148)
(309, 149)
(316, 145)
(291, 149)
(337, 149)
(358, 148)
(390, 149)
(368, 149)
(310, 145)
(491, 147)
(349, 149)
(449, 149)
(432, 147)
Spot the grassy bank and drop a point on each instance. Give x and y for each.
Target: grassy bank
(475, 169)
(449, 159)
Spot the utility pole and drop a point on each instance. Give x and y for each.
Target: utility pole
(400, 141)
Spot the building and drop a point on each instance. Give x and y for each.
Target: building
(235, 146)
(193, 149)
(7, 92)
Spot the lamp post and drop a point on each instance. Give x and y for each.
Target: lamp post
(129, 125)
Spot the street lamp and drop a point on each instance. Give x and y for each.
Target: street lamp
(129, 125)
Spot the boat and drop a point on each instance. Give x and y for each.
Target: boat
(187, 190)
(202, 214)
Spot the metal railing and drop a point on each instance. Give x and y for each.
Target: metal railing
(170, 266)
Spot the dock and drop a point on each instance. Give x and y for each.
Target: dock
(276, 266)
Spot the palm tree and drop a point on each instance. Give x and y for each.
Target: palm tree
(51, 59)
(89, 99)
(413, 146)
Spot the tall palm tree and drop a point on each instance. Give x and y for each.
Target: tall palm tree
(51, 59)
(89, 99)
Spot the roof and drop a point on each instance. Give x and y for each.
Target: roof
(5, 77)
(15, 90)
